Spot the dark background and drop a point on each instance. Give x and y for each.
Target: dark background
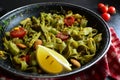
(8, 5)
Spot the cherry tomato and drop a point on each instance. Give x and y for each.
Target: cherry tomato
(102, 8)
(106, 16)
(69, 20)
(19, 32)
(111, 10)
(62, 36)
(100, 5)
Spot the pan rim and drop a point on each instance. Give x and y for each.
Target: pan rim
(63, 3)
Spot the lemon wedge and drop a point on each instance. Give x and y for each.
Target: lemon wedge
(51, 61)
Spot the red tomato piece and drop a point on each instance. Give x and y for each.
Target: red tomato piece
(26, 58)
(69, 20)
(111, 10)
(106, 16)
(62, 36)
(20, 33)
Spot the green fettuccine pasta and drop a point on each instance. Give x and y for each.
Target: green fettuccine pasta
(67, 34)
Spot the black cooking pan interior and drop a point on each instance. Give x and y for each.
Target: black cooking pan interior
(13, 18)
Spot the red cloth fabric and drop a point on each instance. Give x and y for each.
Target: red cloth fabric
(109, 65)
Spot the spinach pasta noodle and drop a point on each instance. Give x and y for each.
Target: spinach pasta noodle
(68, 34)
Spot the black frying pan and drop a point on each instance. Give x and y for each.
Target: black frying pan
(13, 18)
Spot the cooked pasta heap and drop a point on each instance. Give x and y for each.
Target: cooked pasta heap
(67, 34)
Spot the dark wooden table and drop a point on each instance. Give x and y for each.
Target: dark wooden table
(8, 5)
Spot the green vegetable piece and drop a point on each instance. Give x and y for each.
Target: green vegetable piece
(34, 38)
(16, 59)
(25, 21)
(24, 65)
(6, 43)
(7, 33)
(2, 55)
(83, 23)
(17, 40)
(33, 60)
(87, 30)
(13, 48)
(54, 31)
(98, 38)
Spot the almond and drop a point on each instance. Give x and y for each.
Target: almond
(37, 42)
(75, 63)
(20, 45)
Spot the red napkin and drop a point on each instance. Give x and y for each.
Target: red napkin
(109, 65)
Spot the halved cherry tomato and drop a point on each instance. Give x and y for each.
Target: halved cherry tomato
(19, 32)
(62, 36)
(69, 20)
(106, 16)
(26, 58)
(111, 10)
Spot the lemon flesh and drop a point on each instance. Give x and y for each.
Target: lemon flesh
(51, 61)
